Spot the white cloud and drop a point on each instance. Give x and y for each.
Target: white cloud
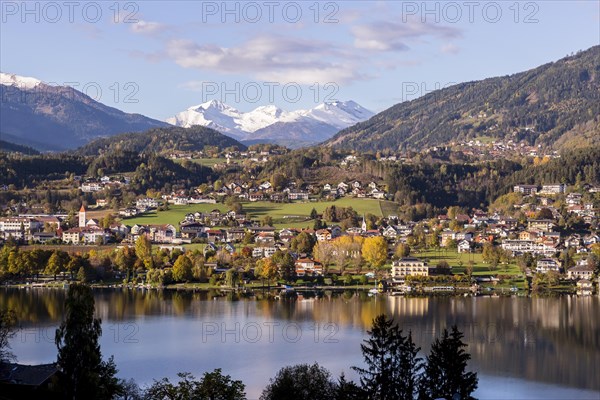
(393, 36)
(270, 58)
(148, 27)
(450, 48)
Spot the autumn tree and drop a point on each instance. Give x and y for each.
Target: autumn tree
(143, 250)
(402, 250)
(57, 263)
(303, 243)
(323, 252)
(266, 269)
(232, 277)
(182, 269)
(374, 251)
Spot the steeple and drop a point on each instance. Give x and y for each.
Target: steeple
(364, 224)
(82, 216)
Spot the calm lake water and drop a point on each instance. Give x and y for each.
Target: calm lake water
(522, 348)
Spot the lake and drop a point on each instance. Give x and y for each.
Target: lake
(522, 348)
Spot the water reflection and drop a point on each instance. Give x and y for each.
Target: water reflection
(554, 340)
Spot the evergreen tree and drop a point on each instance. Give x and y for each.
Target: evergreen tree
(445, 372)
(300, 382)
(393, 365)
(83, 374)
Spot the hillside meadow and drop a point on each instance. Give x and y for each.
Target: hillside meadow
(295, 214)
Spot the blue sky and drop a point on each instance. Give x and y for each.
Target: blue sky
(158, 58)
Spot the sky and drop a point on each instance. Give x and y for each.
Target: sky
(158, 58)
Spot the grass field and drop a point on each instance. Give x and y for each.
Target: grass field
(207, 162)
(454, 259)
(283, 214)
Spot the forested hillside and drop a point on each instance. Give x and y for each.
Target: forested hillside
(556, 105)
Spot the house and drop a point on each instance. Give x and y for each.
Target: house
(298, 196)
(265, 186)
(546, 265)
(446, 236)
(581, 271)
(390, 232)
(263, 251)
(277, 197)
(215, 235)
(82, 235)
(306, 266)
(558, 188)
(20, 381)
(191, 230)
(544, 225)
(525, 189)
(19, 227)
(265, 237)
(518, 247)
(377, 194)
(464, 246)
(574, 199)
(286, 235)
(336, 231)
(256, 196)
(44, 237)
(323, 235)
(236, 234)
(409, 266)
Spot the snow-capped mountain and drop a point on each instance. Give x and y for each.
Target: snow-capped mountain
(22, 82)
(272, 124)
(49, 117)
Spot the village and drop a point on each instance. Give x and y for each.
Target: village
(457, 252)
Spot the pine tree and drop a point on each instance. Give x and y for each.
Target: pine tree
(445, 373)
(83, 374)
(393, 365)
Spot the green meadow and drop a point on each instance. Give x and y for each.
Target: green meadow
(283, 214)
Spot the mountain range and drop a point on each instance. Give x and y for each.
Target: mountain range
(556, 105)
(49, 117)
(274, 125)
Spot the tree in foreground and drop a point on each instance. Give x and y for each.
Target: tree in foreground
(8, 328)
(83, 374)
(445, 373)
(212, 386)
(300, 382)
(392, 363)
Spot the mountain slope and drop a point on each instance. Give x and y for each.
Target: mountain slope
(272, 124)
(555, 105)
(59, 117)
(161, 140)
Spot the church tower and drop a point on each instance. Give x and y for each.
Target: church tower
(364, 224)
(82, 219)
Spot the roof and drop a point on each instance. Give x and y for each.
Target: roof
(82, 209)
(30, 375)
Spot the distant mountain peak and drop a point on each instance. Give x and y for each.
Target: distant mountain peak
(22, 82)
(59, 118)
(270, 123)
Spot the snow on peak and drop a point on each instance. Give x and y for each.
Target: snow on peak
(22, 82)
(241, 125)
